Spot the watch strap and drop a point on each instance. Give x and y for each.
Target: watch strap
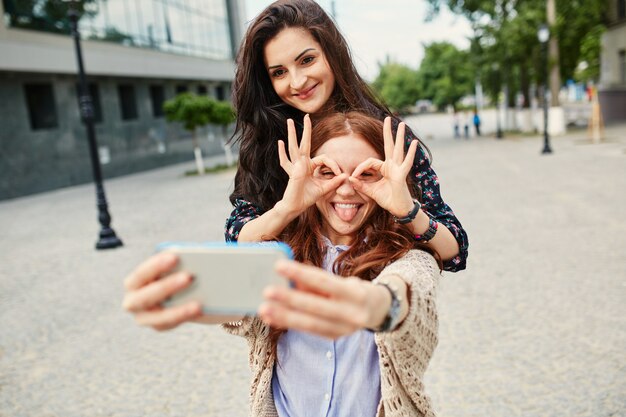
(392, 318)
(411, 215)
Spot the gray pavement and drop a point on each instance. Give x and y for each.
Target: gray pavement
(536, 326)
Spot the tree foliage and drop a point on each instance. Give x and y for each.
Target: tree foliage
(189, 109)
(397, 84)
(508, 30)
(445, 74)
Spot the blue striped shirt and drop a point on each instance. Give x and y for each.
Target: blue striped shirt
(318, 377)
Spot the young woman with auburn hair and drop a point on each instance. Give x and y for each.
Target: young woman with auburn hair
(354, 334)
(294, 61)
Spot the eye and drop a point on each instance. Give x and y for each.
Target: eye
(307, 60)
(278, 73)
(327, 173)
(369, 176)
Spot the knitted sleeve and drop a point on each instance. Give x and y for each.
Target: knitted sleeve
(406, 351)
(260, 361)
(242, 213)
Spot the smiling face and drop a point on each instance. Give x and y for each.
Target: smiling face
(345, 210)
(298, 70)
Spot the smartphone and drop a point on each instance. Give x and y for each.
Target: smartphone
(229, 278)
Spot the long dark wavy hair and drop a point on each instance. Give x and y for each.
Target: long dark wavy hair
(262, 115)
(380, 239)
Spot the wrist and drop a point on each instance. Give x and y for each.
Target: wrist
(382, 305)
(408, 212)
(284, 211)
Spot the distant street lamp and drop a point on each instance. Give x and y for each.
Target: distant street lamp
(496, 90)
(544, 35)
(108, 238)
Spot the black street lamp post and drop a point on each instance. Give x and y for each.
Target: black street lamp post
(496, 89)
(544, 35)
(108, 239)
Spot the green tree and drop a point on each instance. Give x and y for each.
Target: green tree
(397, 85)
(514, 24)
(223, 115)
(192, 111)
(445, 74)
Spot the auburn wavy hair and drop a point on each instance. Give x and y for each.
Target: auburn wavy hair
(380, 240)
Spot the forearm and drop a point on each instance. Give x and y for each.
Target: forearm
(267, 226)
(444, 242)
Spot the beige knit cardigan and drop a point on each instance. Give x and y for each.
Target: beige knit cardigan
(403, 353)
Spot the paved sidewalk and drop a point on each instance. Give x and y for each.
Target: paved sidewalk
(535, 327)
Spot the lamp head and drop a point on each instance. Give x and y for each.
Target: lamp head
(543, 33)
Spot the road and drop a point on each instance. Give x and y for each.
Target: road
(536, 325)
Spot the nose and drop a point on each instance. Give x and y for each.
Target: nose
(298, 80)
(345, 189)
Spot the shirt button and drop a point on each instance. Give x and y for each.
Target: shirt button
(329, 355)
(327, 396)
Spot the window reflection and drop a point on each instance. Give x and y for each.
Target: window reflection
(191, 27)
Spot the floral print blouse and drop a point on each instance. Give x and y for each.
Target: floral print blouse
(432, 204)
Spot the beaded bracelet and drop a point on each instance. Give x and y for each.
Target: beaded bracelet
(430, 233)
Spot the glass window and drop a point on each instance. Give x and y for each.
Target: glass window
(191, 27)
(94, 92)
(202, 90)
(181, 88)
(128, 104)
(42, 109)
(157, 97)
(621, 9)
(219, 92)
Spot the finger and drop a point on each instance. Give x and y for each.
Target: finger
(150, 270)
(322, 159)
(387, 138)
(168, 318)
(292, 140)
(305, 143)
(279, 316)
(369, 163)
(362, 187)
(350, 312)
(155, 293)
(312, 277)
(410, 156)
(282, 157)
(333, 184)
(398, 150)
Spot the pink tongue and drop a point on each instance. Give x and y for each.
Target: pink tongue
(346, 214)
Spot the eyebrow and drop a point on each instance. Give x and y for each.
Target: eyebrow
(295, 59)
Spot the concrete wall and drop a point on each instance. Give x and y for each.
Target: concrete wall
(37, 160)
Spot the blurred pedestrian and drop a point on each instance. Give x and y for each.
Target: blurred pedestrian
(476, 121)
(455, 124)
(466, 124)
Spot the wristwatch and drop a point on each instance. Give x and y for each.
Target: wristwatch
(411, 216)
(393, 315)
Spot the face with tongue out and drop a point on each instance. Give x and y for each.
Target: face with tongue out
(344, 210)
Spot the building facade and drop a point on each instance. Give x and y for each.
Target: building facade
(612, 86)
(137, 54)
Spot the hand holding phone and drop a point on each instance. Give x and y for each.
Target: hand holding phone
(228, 279)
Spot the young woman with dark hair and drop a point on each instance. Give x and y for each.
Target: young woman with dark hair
(293, 61)
(355, 333)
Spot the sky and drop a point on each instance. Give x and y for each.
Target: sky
(376, 29)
